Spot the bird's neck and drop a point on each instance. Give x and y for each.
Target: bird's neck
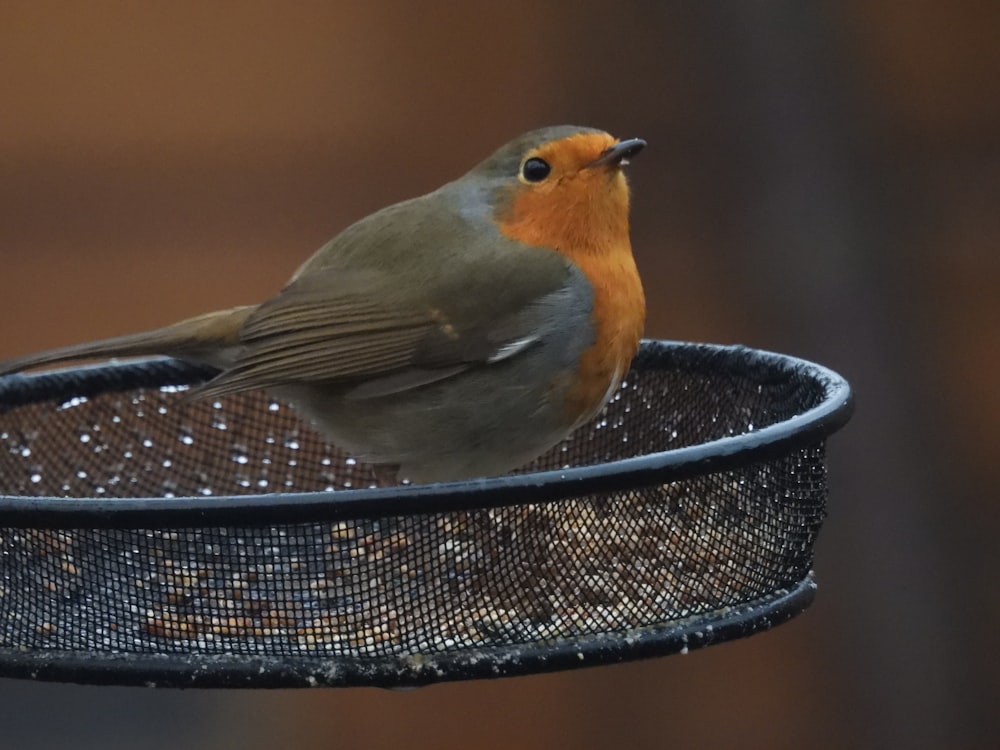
(577, 219)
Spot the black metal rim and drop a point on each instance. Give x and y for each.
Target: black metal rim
(807, 428)
(192, 671)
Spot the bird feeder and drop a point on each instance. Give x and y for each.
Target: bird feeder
(145, 541)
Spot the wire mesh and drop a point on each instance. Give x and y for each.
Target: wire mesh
(400, 595)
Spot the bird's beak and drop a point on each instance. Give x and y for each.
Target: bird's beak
(619, 154)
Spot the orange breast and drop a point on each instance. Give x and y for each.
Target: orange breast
(618, 318)
(586, 219)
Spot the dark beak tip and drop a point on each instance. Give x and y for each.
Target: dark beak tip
(621, 152)
(632, 146)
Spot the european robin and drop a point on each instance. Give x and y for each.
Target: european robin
(455, 335)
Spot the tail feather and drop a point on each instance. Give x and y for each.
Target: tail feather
(211, 339)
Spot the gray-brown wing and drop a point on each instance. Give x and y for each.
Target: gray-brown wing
(374, 331)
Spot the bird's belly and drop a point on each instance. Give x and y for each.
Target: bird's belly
(484, 422)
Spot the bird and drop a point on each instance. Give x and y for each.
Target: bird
(456, 335)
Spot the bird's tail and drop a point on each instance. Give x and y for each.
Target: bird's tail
(211, 339)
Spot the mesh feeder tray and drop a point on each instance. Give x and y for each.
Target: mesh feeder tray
(225, 544)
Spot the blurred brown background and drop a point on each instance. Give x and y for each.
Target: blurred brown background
(822, 179)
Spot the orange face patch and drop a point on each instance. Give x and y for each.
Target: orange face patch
(576, 206)
(581, 211)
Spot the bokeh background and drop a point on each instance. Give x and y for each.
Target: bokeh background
(822, 179)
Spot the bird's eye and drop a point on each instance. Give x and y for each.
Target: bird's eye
(535, 169)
